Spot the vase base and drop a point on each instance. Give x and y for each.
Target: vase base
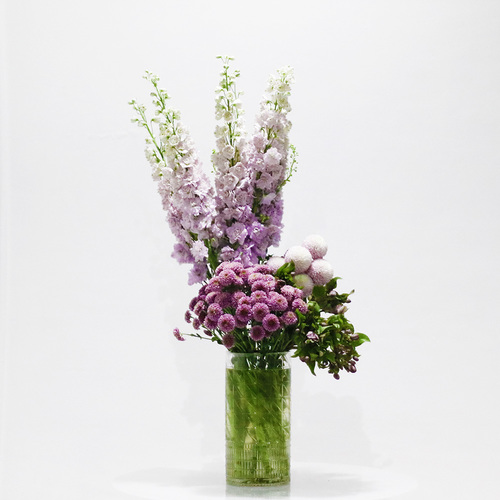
(258, 482)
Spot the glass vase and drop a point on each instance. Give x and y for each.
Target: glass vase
(257, 419)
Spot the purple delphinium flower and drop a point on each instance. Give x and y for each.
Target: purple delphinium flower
(257, 333)
(226, 323)
(177, 335)
(271, 322)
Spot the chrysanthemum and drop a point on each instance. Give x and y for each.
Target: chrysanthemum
(271, 322)
(277, 302)
(300, 305)
(316, 245)
(259, 296)
(226, 323)
(228, 277)
(289, 318)
(214, 311)
(257, 333)
(260, 311)
(300, 256)
(228, 340)
(321, 272)
(177, 334)
(244, 313)
(274, 263)
(288, 292)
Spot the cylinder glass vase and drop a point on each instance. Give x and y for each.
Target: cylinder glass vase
(257, 419)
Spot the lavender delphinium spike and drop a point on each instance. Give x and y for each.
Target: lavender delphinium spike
(186, 192)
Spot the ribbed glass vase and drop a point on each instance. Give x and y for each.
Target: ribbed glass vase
(257, 419)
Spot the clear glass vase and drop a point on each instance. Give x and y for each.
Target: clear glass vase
(257, 419)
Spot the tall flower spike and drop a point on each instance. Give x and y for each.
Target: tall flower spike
(234, 192)
(186, 192)
(267, 158)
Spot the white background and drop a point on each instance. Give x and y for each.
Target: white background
(396, 113)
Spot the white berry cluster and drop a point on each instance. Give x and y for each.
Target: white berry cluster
(310, 267)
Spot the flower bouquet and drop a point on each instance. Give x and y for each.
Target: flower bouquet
(260, 306)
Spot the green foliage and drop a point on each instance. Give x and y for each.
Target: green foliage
(324, 338)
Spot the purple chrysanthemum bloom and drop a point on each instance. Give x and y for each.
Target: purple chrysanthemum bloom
(232, 266)
(253, 277)
(210, 323)
(257, 333)
(288, 292)
(228, 277)
(238, 295)
(259, 296)
(271, 323)
(300, 305)
(210, 298)
(244, 313)
(244, 274)
(225, 299)
(245, 300)
(214, 311)
(226, 323)
(240, 324)
(262, 285)
(196, 323)
(177, 335)
(193, 302)
(263, 268)
(187, 316)
(208, 332)
(260, 311)
(214, 285)
(289, 318)
(228, 340)
(199, 307)
(277, 302)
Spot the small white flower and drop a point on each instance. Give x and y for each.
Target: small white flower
(321, 272)
(300, 256)
(275, 263)
(228, 151)
(173, 140)
(316, 245)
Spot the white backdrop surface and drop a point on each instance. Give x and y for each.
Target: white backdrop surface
(396, 118)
